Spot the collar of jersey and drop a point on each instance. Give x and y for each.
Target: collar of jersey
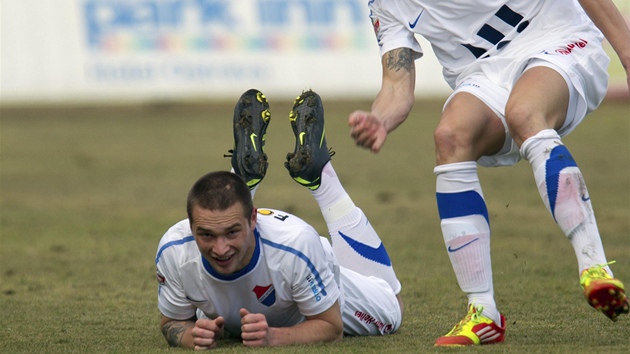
(252, 263)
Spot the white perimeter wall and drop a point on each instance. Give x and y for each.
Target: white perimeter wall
(149, 50)
(130, 50)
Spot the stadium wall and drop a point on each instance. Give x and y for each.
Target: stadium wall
(164, 50)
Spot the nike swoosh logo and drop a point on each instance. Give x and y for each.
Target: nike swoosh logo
(586, 198)
(302, 138)
(375, 254)
(462, 246)
(252, 137)
(413, 24)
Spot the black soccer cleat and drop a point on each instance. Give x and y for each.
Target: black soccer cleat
(306, 162)
(251, 118)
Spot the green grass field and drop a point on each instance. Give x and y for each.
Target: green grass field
(86, 193)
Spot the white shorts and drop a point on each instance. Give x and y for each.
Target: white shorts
(369, 306)
(578, 57)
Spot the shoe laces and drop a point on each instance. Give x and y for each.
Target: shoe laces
(596, 272)
(472, 316)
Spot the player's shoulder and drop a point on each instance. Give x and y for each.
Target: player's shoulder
(178, 238)
(279, 219)
(281, 227)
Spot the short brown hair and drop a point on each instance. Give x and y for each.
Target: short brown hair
(219, 191)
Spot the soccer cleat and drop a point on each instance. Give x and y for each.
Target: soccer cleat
(474, 329)
(604, 292)
(251, 118)
(306, 162)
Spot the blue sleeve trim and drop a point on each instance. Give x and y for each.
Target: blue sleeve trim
(173, 243)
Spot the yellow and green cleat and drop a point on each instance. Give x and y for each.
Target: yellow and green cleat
(474, 329)
(603, 292)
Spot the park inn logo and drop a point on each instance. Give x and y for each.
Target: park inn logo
(266, 295)
(219, 26)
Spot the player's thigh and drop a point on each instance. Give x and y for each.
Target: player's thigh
(538, 101)
(370, 306)
(468, 129)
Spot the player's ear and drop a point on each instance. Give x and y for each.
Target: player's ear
(253, 218)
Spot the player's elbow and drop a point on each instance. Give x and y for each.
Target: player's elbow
(333, 335)
(339, 336)
(336, 333)
(332, 331)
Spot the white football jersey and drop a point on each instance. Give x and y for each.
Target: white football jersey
(464, 31)
(293, 273)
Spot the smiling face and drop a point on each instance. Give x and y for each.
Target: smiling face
(225, 237)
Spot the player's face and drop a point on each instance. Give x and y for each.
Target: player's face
(225, 237)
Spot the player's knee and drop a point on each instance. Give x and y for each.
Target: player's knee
(452, 143)
(522, 122)
(444, 138)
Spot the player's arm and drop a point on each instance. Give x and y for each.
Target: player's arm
(176, 332)
(324, 327)
(609, 20)
(391, 105)
(192, 333)
(396, 97)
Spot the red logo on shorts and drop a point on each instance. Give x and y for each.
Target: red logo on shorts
(570, 47)
(160, 278)
(376, 24)
(369, 319)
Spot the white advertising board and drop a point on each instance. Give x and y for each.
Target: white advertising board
(153, 50)
(135, 50)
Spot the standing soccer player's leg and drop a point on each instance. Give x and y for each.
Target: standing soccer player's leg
(560, 182)
(468, 129)
(466, 230)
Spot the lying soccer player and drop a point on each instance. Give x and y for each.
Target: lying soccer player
(264, 275)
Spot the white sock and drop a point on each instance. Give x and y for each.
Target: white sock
(562, 188)
(466, 232)
(355, 242)
(331, 197)
(358, 247)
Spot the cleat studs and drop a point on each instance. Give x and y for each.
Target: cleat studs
(266, 115)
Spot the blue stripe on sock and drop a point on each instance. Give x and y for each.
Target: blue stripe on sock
(375, 254)
(453, 205)
(559, 159)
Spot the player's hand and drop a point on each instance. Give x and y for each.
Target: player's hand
(207, 332)
(367, 131)
(255, 331)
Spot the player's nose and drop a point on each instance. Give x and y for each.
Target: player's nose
(221, 247)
